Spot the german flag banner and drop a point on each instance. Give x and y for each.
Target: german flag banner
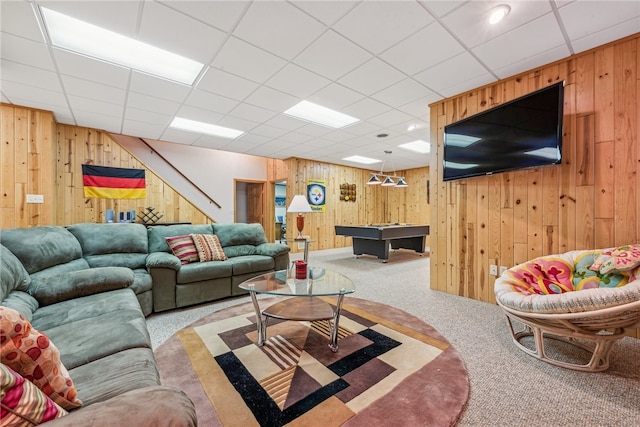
(113, 183)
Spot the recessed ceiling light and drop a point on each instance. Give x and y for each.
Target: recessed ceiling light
(497, 13)
(361, 159)
(411, 128)
(320, 115)
(90, 40)
(207, 128)
(418, 146)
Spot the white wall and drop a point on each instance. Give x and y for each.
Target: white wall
(213, 171)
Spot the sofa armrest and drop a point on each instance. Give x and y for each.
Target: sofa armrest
(80, 283)
(272, 249)
(154, 406)
(163, 260)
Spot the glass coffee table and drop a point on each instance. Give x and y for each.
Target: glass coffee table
(305, 304)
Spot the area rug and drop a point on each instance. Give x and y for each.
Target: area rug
(391, 369)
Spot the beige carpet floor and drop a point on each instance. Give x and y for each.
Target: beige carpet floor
(508, 387)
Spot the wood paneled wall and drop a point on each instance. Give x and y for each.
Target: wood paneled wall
(27, 166)
(373, 205)
(39, 156)
(590, 201)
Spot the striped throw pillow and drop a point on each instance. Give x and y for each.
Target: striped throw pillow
(183, 248)
(24, 404)
(208, 247)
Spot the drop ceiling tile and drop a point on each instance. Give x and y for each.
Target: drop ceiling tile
(420, 107)
(328, 15)
(24, 74)
(211, 102)
(80, 104)
(336, 96)
(179, 136)
(332, 56)
(98, 120)
(339, 136)
(188, 37)
(294, 138)
(141, 129)
(311, 129)
(87, 68)
(242, 59)
(282, 121)
(378, 25)
(389, 118)
(372, 77)
(531, 62)
(363, 128)
(144, 102)
(472, 83)
(402, 93)
(199, 115)
(278, 27)
(17, 18)
(448, 73)
(253, 139)
(423, 49)
(221, 14)
(253, 113)
(471, 26)
(237, 123)
(442, 7)
(25, 51)
(153, 86)
(607, 35)
(142, 116)
(297, 81)
(225, 84)
(212, 142)
(272, 99)
(365, 108)
(517, 45)
(92, 90)
(582, 18)
(268, 131)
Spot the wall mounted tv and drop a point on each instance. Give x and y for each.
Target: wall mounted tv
(523, 133)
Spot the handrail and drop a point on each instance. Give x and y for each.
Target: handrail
(153, 150)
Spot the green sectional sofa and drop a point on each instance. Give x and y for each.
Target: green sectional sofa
(88, 287)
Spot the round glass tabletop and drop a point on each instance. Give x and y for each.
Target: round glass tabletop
(321, 282)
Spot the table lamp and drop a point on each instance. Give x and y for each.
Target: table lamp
(299, 205)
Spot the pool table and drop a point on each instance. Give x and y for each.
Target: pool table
(375, 239)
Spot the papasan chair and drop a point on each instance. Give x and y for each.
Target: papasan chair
(585, 298)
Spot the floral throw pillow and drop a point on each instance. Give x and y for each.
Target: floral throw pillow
(24, 404)
(617, 260)
(183, 248)
(542, 276)
(31, 354)
(208, 247)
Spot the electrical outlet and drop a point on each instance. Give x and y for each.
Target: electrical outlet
(503, 268)
(493, 270)
(35, 198)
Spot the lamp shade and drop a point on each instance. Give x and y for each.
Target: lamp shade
(402, 183)
(299, 204)
(388, 182)
(374, 180)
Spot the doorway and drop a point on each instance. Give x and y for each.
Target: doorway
(249, 202)
(280, 213)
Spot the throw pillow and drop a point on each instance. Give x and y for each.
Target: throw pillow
(183, 248)
(617, 260)
(542, 276)
(31, 354)
(208, 247)
(24, 404)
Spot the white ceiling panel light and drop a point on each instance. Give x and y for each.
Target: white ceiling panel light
(419, 146)
(320, 115)
(361, 159)
(90, 40)
(206, 128)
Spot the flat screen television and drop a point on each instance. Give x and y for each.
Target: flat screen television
(523, 133)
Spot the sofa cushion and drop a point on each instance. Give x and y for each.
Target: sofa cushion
(24, 404)
(51, 274)
(118, 244)
(272, 249)
(81, 283)
(239, 250)
(32, 354)
(115, 317)
(251, 264)
(208, 247)
(183, 248)
(240, 234)
(13, 276)
(200, 271)
(157, 234)
(120, 372)
(21, 302)
(39, 248)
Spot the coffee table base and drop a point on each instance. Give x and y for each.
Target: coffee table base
(304, 308)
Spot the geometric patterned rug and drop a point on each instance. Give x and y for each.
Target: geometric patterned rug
(391, 369)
